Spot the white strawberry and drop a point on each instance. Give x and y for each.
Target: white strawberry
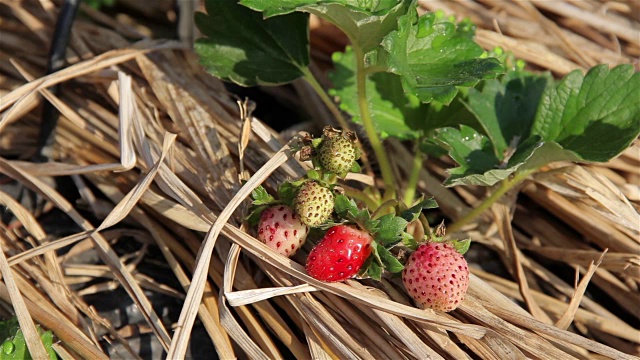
(281, 229)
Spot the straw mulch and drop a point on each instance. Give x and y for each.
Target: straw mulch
(154, 146)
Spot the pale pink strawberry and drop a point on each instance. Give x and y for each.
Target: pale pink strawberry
(281, 229)
(437, 276)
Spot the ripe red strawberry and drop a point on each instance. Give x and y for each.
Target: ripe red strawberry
(314, 203)
(281, 229)
(340, 254)
(437, 276)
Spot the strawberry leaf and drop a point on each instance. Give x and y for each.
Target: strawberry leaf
(390, 262)
(433, 56)
(14, 346)
(364, 22)
(241, 47)
(596, 116)
(532, 121)
(414, 212)
(390, 229)
(393, 112)
(260, 196)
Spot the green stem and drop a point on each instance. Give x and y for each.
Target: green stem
(367, 122)
(384, 208)
(337, 114)
(315, 85)
(412, 184)
(358, 195)
(505, 186)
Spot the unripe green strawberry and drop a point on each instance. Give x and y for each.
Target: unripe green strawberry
(437, 276)
(338, 152)
(314, 203)
(340, 254)
(281, 229)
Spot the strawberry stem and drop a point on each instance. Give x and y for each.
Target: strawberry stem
(383, 209)
(505, 186)
(367, 122)
(414, 176)
(358, 195)
(315, 85)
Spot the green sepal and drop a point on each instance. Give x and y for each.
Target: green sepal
(390, 262)
(355, 168)
(390, 229)
(371, 269)
(254, 216)
(260, 196)
(414, 212)
(345, 207)
(287, 192)
(316, 142)
(461, 246)
(409, 241)
(314, 174)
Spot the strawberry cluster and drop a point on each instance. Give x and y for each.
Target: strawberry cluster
(358, 239)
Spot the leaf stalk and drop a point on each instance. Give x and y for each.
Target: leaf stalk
(414, 176)
(505, 186)
(367, 122)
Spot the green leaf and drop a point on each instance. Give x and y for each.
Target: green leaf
(14, 347)
(394, 113)
(475, 155)
(434, 56)
(414, 212)
(506, 108)
(365, 23)
(241, 47)
(260, 196)
(390, 262)
(532, 121)
(596, 116)
(390, 229)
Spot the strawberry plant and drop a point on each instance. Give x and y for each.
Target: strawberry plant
(14, 347)
(424, 80)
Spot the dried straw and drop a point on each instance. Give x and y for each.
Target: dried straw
(152, 141)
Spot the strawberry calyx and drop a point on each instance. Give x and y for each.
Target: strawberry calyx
(387, 228)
